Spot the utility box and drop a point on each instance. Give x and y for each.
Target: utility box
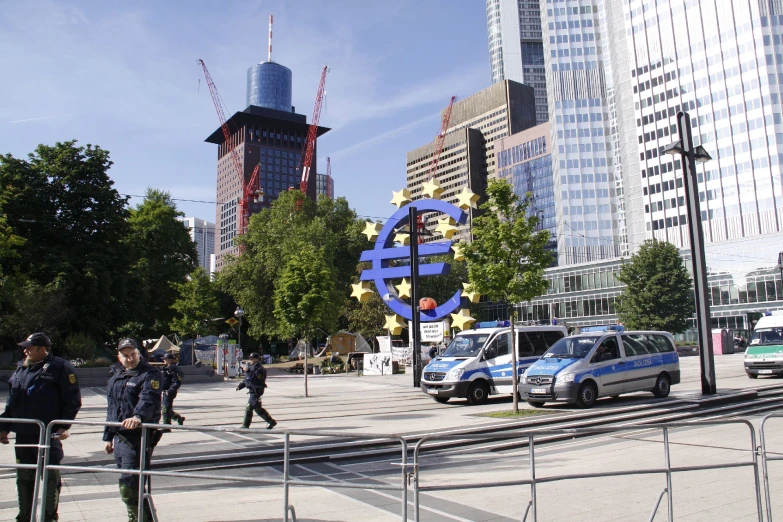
(722, 341)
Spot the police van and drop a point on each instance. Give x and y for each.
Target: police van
(764, 354)
(584, 367)
(477, 363)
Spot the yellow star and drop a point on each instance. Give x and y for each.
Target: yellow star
(401, 198)
(446, 226)
(461, 319)
(361, 291)
(394, 324)
(431, 189)
(472, 296)
(404, 288)
(403, 238)
(468, 199)
(371, 230)
(457, 248)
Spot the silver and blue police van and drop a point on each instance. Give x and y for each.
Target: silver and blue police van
(582, 368)
(477, 363)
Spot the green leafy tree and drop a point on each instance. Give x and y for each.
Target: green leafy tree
(162, 253)
(659, 291)
(61, 202)
(196, 304)
(367, 318)
(507, 257)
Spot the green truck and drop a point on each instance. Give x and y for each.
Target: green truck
(764, 354)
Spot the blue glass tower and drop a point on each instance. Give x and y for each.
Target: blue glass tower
(269, 86)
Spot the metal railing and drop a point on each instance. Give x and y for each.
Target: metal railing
(533, 481)
(37, 466)
(286, 481)
(765, 459)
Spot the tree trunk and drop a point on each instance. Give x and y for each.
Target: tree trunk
(514, 378)
(305, 364)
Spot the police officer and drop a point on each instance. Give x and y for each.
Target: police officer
(134, 395)
(172, 380)
(255, 382)
(43, 387)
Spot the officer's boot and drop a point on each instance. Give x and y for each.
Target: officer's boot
(177, 417)
(54, 485)
(270, 422)
(130, 496)
(25, 485)
(248, 416)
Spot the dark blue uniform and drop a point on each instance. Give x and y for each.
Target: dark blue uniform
(46, 391)
(255, 382)
(132, 393)
(172, 380)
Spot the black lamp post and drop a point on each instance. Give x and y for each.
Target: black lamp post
(689, 157)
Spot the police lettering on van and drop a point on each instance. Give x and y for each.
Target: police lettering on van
(477, 363)
(582, 368)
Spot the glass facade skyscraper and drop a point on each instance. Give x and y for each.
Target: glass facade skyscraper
(269, 85)
(515, 49)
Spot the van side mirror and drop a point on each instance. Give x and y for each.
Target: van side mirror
(490, 353)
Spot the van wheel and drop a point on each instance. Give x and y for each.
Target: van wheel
(536, 404)
(586, 396)
(662, 386)
(442, 400)
(753, 376)
(478, 393)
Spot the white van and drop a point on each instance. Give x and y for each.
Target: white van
(581, 368)
(764, 354)
(477, 363)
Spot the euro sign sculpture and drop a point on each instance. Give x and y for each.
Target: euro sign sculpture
(385, 251)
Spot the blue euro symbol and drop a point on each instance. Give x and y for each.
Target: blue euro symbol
(384, 251)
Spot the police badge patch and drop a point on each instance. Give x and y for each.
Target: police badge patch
(72, 378)
(155, 385)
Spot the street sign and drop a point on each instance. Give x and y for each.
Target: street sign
(432, 332)
(231, 322)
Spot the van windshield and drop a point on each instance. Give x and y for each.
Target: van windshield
(465, 345)
(572, 347)
(766, 336)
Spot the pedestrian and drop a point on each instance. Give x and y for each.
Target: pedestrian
(172, 380)
(255, 382)
(43, 387)
(134, 396)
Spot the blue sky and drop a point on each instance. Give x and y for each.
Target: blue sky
(124, 75)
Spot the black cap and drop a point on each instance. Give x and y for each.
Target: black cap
(127, 343)
(169, 357)
(254, 355)
(36, 339)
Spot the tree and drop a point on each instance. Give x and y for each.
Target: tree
(507, 257)
(658, 293)
(162, 253)
(61, 202)
(367, 318)
(305, 295)
(196, 304)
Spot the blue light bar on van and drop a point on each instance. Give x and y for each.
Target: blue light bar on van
(493, 324)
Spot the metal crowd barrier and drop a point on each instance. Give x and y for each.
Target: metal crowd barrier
(534, 480)
(37, 466)
(286, 481)
(765, 458)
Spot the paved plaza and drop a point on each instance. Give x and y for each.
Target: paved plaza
(386, 405)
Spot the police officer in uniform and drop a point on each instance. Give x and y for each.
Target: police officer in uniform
(255, 382)
(134, 395)
(43, 387)
(172, 380)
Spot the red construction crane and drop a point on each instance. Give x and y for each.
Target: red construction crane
(250, 189)
(306, 159)
(444, 126)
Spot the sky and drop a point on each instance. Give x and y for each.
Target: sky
(124, 75)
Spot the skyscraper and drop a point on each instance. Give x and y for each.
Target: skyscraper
(516, 51)
(202, 233)
(586, 183)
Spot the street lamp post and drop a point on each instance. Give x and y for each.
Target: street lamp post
(239, 313)
(413, 214)
(689, 156)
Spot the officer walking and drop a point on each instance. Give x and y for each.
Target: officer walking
(43, 387)
(134, 395)
(255, 382)
(172, 380)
